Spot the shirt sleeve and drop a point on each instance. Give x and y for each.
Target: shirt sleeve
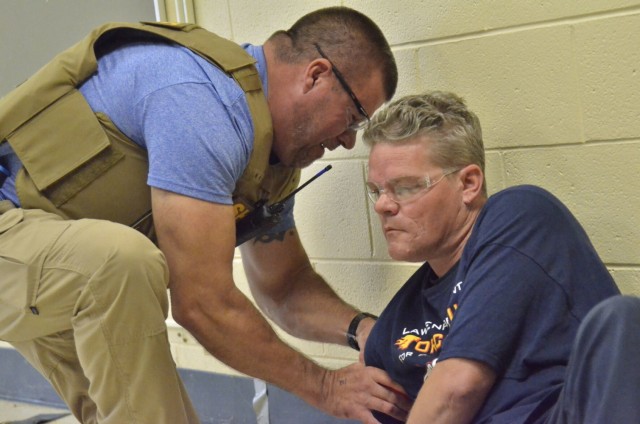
(197, 147)
(191, 117)
(499, 300)
(514, 273)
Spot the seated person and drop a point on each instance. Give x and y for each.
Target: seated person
(500, 323)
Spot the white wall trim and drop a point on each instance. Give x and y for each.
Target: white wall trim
(181, 11)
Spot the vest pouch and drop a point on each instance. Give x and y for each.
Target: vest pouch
(58, 140)
(82, 167)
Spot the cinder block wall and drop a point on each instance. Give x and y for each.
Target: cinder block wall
(557, 87)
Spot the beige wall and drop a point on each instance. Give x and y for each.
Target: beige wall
(557, 86)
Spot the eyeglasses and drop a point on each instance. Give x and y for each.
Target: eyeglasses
(405, 189)
(358, 125)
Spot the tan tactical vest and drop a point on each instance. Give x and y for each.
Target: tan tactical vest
(77, 164)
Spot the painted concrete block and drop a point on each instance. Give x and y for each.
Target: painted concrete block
(253, 22)
(330, 213)
(409, 76)
(344, 354)
(521, 85)
(335, 363)
(240, 278)
(309, 348)
(494, 171)
(609, 76)
(214, 16)
(366, 285)
(420, 20)
(628, 279)
(597, 182)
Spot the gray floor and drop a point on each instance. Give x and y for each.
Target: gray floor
(21, 412)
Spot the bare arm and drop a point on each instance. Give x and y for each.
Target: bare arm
(454, 392)
(198, 240)
(293, 295)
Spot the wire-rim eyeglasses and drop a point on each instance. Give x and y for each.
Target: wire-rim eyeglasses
(405, 189)
(356, 126)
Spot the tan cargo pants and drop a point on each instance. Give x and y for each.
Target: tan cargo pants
(85, 302)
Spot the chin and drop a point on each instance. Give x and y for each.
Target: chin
(404, 255)
(304, 163)
(306, 160)
(398, 255)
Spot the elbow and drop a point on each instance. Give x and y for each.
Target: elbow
(187, 315)
(183, 319)
(469, 396)
(275, 310)
(203, 313)
(281, 313)
(472, 395)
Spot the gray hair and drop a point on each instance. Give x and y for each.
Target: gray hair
(453, 131)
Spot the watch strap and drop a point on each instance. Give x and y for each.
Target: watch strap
(353, 327)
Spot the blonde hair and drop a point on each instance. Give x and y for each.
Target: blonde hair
(453, 131)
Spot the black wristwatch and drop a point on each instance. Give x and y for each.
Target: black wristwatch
(353, 327)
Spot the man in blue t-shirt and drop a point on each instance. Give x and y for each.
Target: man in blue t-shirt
(513, 318)
(85, 301)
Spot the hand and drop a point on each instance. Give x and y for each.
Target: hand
(352, 392)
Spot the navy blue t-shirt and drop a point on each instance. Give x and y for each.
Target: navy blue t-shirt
(525, 280)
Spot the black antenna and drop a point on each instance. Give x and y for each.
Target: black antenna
(265, 217)
(293, 193)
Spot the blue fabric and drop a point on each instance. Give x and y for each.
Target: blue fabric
(527, 277)
(191, 117)
(10, 162)
(603, 378)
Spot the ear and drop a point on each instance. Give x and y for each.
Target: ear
(317, 71)
(472, 180)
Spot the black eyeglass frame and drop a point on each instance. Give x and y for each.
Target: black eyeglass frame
(345, 86)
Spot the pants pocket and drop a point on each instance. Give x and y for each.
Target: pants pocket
(14, 295)
(9, 219)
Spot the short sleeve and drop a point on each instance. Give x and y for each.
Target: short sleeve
(197, 146)
(501, 296)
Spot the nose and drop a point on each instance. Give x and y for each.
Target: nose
(385, 205)
(347, 139)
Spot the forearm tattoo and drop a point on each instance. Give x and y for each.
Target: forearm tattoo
(268, 238)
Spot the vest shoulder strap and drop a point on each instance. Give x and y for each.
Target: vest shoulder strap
(22, 112)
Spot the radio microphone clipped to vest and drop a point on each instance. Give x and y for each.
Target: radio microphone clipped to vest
(264, 217)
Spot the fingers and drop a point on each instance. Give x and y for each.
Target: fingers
(385, 395)
(394, 404)
(390, 402)
(355, 391)
(389, 397)
(371, 420)
(381, 377)
(366, 417)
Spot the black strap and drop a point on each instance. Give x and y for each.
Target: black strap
(353, 327)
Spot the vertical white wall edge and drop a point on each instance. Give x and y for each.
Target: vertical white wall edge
(181, 11)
